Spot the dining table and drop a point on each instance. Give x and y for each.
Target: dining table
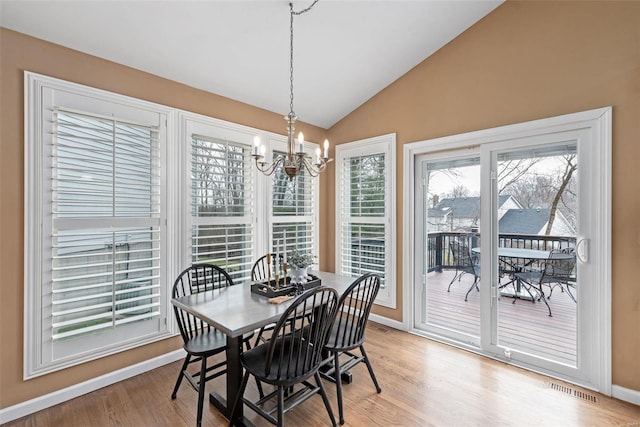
(235, 311)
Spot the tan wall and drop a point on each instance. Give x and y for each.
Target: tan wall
(526, 61)
(19, 53)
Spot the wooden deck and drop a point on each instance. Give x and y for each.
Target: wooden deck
(524, 326)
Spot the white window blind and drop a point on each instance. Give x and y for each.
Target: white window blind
(294, 211)
(365, 212)
(94, 245)
(105, 176)
(222, 205)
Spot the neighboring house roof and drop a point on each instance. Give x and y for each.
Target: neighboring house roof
(463, 207)
(530, 221)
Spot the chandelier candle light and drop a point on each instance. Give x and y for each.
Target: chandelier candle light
(295, 159)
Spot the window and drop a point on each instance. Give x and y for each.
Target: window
(116, 205)
(294, 211)
(222, 211)
(365, 211)
(237, 213)
(93, 270)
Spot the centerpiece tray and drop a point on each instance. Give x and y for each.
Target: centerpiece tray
(285, 286)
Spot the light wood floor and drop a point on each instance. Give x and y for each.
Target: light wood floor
(424, 383)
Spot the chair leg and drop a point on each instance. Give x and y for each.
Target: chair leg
(370, 368)
(201, 386)
(238, 399)
(569, 292)
(455, 276)
(258, 337)
(258, 383)
(260, 390)
(180, 376)
(542, 297)
(474, 285)
(325, 399)
(338, 377)
(280, 406)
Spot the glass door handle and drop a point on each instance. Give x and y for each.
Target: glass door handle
(582, 250)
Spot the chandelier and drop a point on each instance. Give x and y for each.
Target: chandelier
(295, 160)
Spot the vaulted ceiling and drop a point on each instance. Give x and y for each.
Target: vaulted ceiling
(344, 51)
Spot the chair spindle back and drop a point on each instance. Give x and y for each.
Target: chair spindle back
(195, 279)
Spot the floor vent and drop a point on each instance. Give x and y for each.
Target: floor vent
(573, 392)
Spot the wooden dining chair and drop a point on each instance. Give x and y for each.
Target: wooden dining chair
(263, 269)
(291, 356)
(348, 333)
(200, 340)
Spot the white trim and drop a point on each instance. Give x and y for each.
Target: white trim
(42, 402)
(626, 394)
(597, 123)
(387, 322)
(46, 93)
(385, 144)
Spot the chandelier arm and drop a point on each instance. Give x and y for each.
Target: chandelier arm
(311, 169)
(269, 170)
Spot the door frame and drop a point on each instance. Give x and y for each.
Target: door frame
(598, 123)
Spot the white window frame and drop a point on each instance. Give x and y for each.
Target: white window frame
(279, 143)
(191, 123)
(384, 144)
(39, 93)
(175, 211)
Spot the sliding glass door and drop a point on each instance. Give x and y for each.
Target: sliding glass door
(450, 202)
(511, 246)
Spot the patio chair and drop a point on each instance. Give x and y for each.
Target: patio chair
(348, 333)
(558, 269)
(200, 340)
(291, 356)
(464, 263)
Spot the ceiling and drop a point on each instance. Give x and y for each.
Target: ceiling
(344, 51)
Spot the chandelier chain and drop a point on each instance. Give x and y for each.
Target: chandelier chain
(291, 113)
(296, 159)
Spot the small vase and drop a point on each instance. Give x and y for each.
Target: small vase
(298, 275)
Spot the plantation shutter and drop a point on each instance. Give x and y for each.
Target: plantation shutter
(362, 210)
(293, 205)
(222, 205)
(105, 224)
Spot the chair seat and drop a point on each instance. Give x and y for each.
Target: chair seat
(254, 361)
(338, 341)
(529, 276)
(211, 342)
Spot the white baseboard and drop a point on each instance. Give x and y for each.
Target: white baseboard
(387, 322)
(42, 402)
(626, 394)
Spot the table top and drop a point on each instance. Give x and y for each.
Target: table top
(235, 310)
(524, 253)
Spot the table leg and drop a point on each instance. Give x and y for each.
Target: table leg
(234, 379)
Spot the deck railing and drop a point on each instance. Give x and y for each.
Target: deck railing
(440, 257)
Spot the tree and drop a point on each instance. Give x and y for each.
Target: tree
(570, 167)
(533, 191)
(511, 171)
(458, 192)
